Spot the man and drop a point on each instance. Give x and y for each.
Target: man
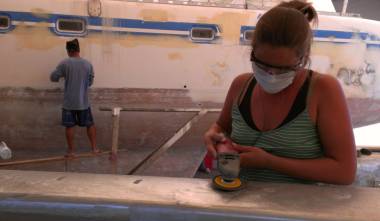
(79, 76)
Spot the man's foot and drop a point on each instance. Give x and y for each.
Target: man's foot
(113, 157)
(96, 151)
(69, 155)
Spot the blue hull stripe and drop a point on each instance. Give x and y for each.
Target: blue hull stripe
(328, 35)
(116, 22)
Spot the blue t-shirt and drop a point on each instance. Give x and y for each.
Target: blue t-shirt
(79, 76)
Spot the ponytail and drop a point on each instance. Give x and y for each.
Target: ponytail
(304, 7)
(287, 25)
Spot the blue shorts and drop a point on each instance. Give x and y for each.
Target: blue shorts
(82, 118)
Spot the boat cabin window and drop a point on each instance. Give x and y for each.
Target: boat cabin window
(248, 35)
(202, 34)
(71, 25)
(4, 22)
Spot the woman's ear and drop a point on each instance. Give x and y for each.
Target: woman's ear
(305, 59)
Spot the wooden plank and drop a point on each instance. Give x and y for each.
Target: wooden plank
(135, 109)
(115, 132)
(168, 144)
(127, 159)
(47, 159)
(185, 156)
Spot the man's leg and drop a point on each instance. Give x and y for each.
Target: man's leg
(70, 141)
(86, 119)
(68, 121)
(91, 133)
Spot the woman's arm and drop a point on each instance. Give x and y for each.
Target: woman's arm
(223, 124)
(237, 85)
(338, 165)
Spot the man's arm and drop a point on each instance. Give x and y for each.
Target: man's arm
(57, 73)
(91, 76)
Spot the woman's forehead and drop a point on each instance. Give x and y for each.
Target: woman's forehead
(277, 56)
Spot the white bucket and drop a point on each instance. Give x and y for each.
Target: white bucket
(5, 152)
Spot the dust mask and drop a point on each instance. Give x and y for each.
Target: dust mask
(272, 83)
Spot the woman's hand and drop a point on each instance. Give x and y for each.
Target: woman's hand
(252, 157)
(213, 136)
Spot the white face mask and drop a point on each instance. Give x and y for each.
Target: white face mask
(272, 83)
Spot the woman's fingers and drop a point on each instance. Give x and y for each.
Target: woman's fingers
(210, 145)
(211, 149)
(218, 137)
(212, 152)
(211, 139)
(241, 149)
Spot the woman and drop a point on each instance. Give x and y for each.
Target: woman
(288, 123)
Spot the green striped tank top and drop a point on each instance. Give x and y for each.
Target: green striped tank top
(296, 138)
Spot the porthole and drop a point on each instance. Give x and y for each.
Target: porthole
(248, 35)
(202, 34)
(4, 22)
(71, 26)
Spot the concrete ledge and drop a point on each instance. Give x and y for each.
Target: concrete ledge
(42, 195)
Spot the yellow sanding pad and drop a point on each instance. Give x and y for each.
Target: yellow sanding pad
(220, 184)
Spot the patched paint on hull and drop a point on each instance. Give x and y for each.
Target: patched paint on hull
(148, 46)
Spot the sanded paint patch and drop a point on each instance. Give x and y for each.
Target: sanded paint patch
(175, 56)
(203, 19)
(40, 13)
(338, 53)
(156, 15)
(208, 95)
(135, 40)
(230, 23)
(352, 57)
(374, 55)
(36, 37)
(217, 79)
(217, 71)
(130, 40)
(221, 64)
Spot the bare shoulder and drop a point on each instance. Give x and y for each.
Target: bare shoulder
(325, 84)
(326, 89)
(242, 78)
(239, 82)
(326, 94)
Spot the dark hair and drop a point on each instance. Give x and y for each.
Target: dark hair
(72, 46)
(287, 25)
